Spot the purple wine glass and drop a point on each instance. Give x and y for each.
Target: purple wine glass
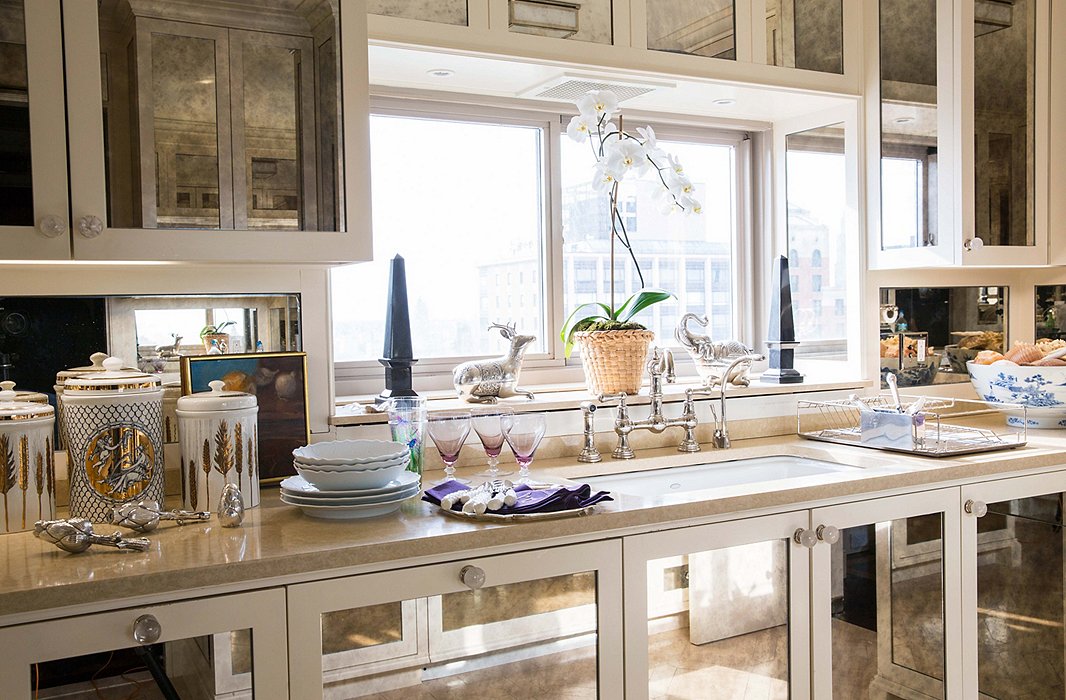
(488, 424)
(523, 432)
(448, 430)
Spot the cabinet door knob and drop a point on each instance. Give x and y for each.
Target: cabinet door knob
(473, 577)
(804, 537)
(829, 534)
(976, 508)
(51, 226)
(90, 226)
(146, 629)
(973, 244)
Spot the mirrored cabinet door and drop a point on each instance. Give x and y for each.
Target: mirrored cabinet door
(33, 197)
(719, 611)
(544, 623)
(1013, 569)
(694, 27)
(885, 600)
(439, 11)
(805, 34)
(218, 120)
(228, 646)
(589, 20)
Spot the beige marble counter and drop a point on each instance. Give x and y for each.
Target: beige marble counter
(278, 542)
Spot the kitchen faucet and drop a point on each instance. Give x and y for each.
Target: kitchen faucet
(721, 430)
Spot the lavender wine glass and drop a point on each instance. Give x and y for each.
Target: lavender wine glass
(488, 424)
(449, 429)
(523, 432)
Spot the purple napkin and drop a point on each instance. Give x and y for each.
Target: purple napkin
(530, 500)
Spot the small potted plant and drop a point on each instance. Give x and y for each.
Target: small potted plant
(613, 346)
(216, 334)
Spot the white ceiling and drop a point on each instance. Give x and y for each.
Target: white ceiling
(406, 69)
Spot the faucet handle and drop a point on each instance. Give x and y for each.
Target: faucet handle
(620, 398)
(668, 362)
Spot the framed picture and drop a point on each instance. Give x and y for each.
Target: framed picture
(279, 382)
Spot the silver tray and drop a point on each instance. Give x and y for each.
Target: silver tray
(521, 517)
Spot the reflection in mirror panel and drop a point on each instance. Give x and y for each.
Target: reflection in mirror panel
(816, 194)
(441, 11)
(929, 333)
(588, 20)
(226, 119)
(908, 123)
(16, 187)
(1004, 107)
(807, 34)
(697, 27)
(1051, 311)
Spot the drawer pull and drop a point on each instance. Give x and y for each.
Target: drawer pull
(804, 537)
(146, 629)
(829, 534)
(51, 226)
(976, 508)
(473, 577)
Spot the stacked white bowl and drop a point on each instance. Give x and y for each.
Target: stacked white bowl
(350, 478)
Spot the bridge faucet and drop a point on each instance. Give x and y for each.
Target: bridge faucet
(721, 429)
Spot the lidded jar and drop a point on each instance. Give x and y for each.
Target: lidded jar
(219, 432)
(27, 461)
(113, 424)
(96, 364)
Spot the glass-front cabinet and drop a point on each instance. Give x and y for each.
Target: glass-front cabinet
(719, 611)
(225, 646)
(541, 623)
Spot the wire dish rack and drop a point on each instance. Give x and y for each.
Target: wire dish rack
(928, 433)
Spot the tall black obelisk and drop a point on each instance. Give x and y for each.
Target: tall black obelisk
(398, 355)
(781, 338)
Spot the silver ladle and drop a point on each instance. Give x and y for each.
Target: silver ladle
(76, 535)
(144, 516)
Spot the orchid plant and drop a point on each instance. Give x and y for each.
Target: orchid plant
(619, 156)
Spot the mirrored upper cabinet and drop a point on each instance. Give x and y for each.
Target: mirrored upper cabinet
(589, 20)
(442, 11)
(16, 185)
(807, 34)
(696, 27)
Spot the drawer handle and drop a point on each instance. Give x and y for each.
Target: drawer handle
(829, 534)
(473, 577)
(976, 508)
(805, 538)
(146, 629)
(51, 226)
(90, 226)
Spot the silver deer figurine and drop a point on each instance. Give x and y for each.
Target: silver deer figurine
(485, 381)
(711, 358)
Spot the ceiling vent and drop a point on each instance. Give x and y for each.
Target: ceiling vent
(568, 87)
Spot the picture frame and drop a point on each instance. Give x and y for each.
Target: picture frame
(284, 419)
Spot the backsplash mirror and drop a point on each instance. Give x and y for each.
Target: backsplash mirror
(1051, 311)
(928, 333)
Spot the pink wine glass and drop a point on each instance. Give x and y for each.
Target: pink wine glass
(449, 429)
(488, 424)
(523, 432)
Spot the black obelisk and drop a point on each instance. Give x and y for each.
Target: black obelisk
(781, 338)
(398, 355)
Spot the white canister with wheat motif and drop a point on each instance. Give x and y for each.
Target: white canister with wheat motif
(113, 423)
(219, 432)
(27, 461)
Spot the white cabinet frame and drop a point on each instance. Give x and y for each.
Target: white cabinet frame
(641, 549)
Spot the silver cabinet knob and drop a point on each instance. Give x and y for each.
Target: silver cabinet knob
(804, 537)
(976, 508)
(90, 226)
(973, 244)
(52, 226)
(473, 577)
(146, 629)
(829, 534)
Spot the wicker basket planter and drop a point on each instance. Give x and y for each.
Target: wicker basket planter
(614, 360)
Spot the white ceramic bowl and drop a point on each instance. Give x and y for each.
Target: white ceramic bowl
(348, 451)
(1041, 389)
(402, 459)
(352, 479)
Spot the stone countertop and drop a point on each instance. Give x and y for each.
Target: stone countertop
(38, 580)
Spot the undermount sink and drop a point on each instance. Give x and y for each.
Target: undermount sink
(698, 477)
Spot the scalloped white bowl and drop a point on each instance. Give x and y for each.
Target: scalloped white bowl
(345, 452)
(404, 459)
(350, 479)
(1042, 390)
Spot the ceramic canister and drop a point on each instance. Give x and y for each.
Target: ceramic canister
(171, 394)
(96, 364)
(113, 422)
(27, 462)
(219, 432)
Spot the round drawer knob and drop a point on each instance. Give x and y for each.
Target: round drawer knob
(974, 244)
(90, 226)
(804, 537)
(473, 577)
(829, 534)
(976, 508)
(51, 226)
(146, 629)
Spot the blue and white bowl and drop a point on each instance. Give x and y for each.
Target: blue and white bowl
(1042, 390)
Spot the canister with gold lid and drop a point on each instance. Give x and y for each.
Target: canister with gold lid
(113, 422)
(96, 364)
(27, 461)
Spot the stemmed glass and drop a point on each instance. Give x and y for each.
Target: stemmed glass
(449, 429)
(488, 424)
(523, 432)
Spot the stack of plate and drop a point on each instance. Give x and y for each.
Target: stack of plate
(350, 479)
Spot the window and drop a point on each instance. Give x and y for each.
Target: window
(816, 283)
(816, 258)
(457, 223)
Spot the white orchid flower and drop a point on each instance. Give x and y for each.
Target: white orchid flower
(597, 103)
(580, 127)
(679, 184)
(674, 165)
(605, 177)
(690, 205)
(647, 134)
(626, 155)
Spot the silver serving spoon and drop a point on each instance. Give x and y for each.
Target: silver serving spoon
(893, 387)
(144, 516)
(76, 535)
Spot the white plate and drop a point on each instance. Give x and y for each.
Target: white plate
(299, 486)
(348, 451)
(347, 512)
(326, 500)
(348, 480)
(404, 459)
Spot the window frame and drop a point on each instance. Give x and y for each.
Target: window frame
(433, 374)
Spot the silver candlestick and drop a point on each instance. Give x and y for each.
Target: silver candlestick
(144, 516)
(76, 535)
